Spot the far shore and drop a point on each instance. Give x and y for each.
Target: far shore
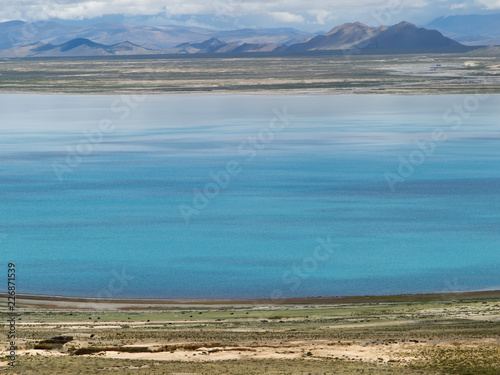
(417, 73)
(82, 302)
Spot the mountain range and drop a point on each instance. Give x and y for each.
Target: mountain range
(473, 30)
(85, 47)
(19, 33)
(20, 39)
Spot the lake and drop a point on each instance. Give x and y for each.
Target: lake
(250, 196)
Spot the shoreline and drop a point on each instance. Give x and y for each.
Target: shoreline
(372, 92)
(423, 297)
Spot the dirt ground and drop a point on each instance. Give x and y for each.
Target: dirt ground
(450, 334)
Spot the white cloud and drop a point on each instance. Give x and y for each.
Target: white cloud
(266, 13)
(192, 22)
(287, 17)
(79, 9)
(320, 15)
(181, 8)
(224, 8)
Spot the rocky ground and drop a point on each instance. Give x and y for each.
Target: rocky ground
(440, 334)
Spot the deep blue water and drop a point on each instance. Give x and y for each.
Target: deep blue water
(135, 209)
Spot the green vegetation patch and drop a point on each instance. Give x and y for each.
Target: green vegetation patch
(460, 360)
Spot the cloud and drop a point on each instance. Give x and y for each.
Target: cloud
(182, 8)
(224, 8)
(458, 6)
(489, 4)
(263, 13)
(320, 15)
(76, 9)
(287, 17)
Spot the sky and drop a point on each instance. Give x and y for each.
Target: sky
(309, 15)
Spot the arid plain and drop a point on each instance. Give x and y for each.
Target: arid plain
(477, 71)
(449, 333)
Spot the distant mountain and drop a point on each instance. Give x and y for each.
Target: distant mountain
(152, 37)
(403, 36)
(348, 36)
(19, 33)
(406, 35)
(81, 47)
(341, 37)
(209, 46)
(75, 48)
(216, 46)
(474, 24)
(285, 36)
(253, 47)
(356, 35)
(472, 29)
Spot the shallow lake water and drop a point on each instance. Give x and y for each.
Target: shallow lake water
(250, 196)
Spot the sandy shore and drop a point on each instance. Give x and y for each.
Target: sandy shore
(89, 303)
(360, 334)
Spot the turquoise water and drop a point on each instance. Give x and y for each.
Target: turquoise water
(262, 196)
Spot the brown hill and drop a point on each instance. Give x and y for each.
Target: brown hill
(344, 36)
(358, 36)
(406, 35)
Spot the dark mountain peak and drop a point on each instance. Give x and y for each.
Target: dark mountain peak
(126, 47)
(74, 43)
(405, 24)
(353, 24)
(356, 35)
(406, 35)
(212, 42)
(348, 27)
(86, 47)
(357, 28)
(343, 36)
(208, 46)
